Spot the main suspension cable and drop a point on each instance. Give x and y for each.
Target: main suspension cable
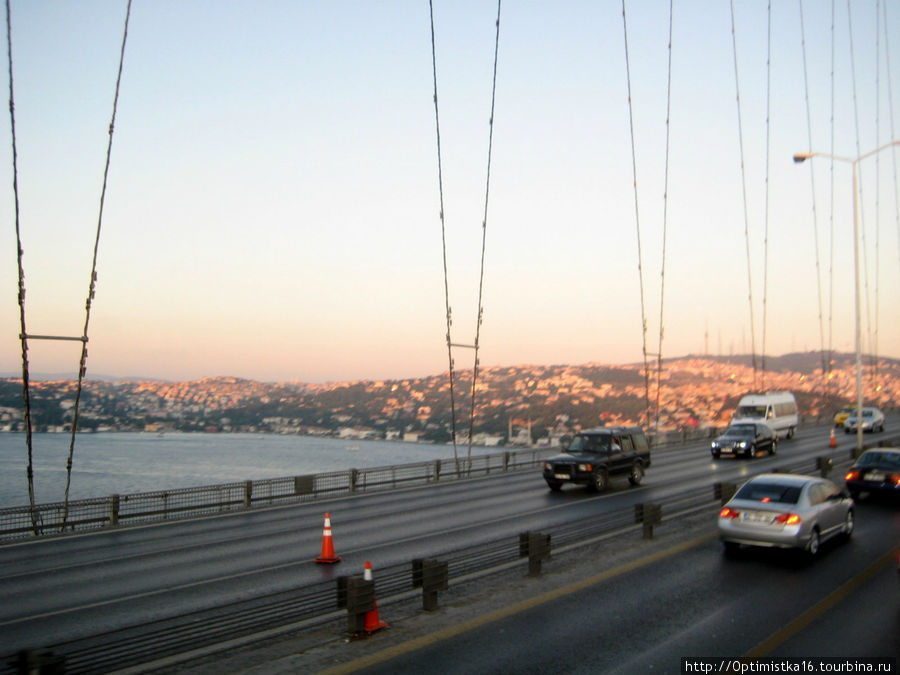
(637, 222)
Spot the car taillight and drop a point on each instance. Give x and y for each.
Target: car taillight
(548, 466)
(895, 479)
(788, 519)
(852, 475)
(728, 513)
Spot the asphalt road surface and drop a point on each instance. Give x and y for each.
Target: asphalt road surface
(62, 588)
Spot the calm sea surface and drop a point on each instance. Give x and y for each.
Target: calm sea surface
(124, 463)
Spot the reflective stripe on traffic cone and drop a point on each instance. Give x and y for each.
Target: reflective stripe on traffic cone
(328, 555)
(832, 442)
(372, 623)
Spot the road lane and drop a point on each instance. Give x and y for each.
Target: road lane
(54, 586)
(697, 603)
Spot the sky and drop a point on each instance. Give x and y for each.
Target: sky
(273, 207)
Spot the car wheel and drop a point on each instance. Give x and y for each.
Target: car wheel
(812, 546)
(790, 433)
(715, 455)
(554, 485)
(773, 447)
(601, 480)
(848, 525)
(751, 452)
(637, 474)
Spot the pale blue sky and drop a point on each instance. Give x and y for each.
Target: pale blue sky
(272, 209)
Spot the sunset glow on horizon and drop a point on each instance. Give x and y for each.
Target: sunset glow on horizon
(273, 207)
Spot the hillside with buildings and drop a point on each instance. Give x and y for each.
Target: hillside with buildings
(515, 404)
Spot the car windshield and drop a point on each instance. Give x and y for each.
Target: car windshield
(768, 491)
(740, 430)
(589, 443)
(886, 459)
(868, 413)
(751, 411)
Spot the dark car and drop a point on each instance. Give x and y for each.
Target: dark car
(596, 454)
(745, 439)
(876, 471)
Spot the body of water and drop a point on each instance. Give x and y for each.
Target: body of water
(125, 463)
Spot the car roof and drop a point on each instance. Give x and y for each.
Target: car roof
(611, 430)
(786, 479)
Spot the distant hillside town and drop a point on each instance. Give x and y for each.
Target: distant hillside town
(517, 405)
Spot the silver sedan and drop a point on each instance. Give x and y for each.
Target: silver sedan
(786, 511)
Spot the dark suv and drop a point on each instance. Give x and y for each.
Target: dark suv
(596, 454)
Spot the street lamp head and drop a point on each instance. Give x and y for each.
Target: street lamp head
(802, 157)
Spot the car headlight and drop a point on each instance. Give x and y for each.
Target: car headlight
(742, 444)
(586, 467)
(714, 445)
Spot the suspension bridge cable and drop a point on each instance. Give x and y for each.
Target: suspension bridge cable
(437, 124)
(637, 222)
(744, 193)
(662, 274)
(812, 181)
(480, 315)
(887, 59)
(82, 368)
(831, 205)
(874, 337)
(862, 218)
(487, 190)
(766, 208)
(23, 335)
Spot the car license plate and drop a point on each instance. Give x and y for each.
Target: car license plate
(875, 476)
(562, 476)
(757, 517)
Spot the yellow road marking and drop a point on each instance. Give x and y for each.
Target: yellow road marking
(825, 604)
(504, 612)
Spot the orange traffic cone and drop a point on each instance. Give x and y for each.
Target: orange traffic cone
(372, 623)
(328, 555)
(832, 442)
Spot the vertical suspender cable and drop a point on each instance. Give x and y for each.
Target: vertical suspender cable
(82, 368)
(766, 216)
(812, 181)
(637, 222)
(887, 60)
(662, 274)
(831, 207)
(23, 335)
(437, 124)
(744, 193)
(859, 189)
(487, 189)
(877, 183)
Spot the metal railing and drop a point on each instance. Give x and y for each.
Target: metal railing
(96, 513)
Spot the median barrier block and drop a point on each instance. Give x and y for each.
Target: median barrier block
(536, 547)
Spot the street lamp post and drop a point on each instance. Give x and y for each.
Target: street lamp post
(802, 157)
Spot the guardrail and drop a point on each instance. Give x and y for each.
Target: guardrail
(96, 513)
(159, 645)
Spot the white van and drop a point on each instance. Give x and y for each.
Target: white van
(778, 409)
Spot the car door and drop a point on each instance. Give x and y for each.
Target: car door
(829, 507)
